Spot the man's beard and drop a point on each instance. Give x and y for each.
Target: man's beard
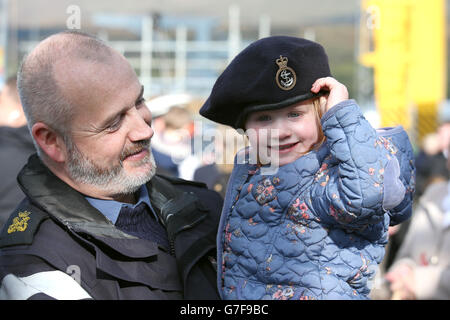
(113, 180)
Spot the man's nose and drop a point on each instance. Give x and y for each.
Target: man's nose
(140, 127)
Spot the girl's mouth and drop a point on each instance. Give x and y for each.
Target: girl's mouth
(285, 148)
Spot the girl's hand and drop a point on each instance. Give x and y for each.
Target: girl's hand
(338, 92)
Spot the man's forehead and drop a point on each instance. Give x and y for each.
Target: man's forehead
(98, 88)
(73, 68)
(81, 77)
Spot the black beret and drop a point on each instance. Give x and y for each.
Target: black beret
(271, 73)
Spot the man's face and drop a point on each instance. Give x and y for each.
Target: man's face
(109, 143)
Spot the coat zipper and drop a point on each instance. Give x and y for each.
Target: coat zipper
(188, 226)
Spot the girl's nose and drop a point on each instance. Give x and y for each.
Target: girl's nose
(281, 130)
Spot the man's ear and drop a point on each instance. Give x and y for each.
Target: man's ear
(49, 141)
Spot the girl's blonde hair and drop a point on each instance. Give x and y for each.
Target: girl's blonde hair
(318, 110)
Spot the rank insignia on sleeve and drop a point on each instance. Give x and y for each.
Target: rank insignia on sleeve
(20, 223)
(285, 77)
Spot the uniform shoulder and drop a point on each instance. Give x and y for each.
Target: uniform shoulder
(22, 225)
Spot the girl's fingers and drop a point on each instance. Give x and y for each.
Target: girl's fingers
(337, 91)
(323, 82)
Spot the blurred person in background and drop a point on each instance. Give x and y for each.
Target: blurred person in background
(173, 143)
(421, 269)
(217, 163)
(431, 160)
(173, 127)
(15, 147)
(444, 137)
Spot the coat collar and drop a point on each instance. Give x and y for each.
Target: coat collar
(71, 208)
(62, 202)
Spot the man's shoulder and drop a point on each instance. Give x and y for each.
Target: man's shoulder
(22, 225)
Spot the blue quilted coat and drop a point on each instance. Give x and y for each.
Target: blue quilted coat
(317, 228)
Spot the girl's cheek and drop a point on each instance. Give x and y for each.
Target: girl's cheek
(253, 138)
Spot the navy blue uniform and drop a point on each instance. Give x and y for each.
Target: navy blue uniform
(16, 146)
(57, 246)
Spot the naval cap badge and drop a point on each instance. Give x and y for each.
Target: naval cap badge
(285, 77)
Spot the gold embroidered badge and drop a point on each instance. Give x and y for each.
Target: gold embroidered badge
(20, 223)
(286, 77)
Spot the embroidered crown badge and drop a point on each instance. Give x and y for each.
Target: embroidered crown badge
(285, 77)
(20, 223)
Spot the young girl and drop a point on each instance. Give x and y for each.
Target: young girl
(317, 227)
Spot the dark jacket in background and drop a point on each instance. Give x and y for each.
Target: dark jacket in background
(15, 148)
(429, 169)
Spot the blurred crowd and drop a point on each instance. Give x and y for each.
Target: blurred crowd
(179, 145)
(417, 261)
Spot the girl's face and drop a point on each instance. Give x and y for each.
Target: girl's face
(287, 133)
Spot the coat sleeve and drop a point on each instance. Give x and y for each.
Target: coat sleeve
(25, 277)
(403, 150)
(362, 178)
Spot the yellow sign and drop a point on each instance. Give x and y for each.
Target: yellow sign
(405, 42)
(20, 223)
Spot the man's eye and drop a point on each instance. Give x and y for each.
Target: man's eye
(115, 125)
(263, 118)
(140, 101)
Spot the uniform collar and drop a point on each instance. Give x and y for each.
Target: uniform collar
(111, 209)
(63, 203)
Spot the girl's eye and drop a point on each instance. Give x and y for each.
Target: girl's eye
(294, 114)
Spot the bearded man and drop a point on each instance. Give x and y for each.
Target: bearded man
(97, 223)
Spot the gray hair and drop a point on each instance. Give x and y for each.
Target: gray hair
(41, 97)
